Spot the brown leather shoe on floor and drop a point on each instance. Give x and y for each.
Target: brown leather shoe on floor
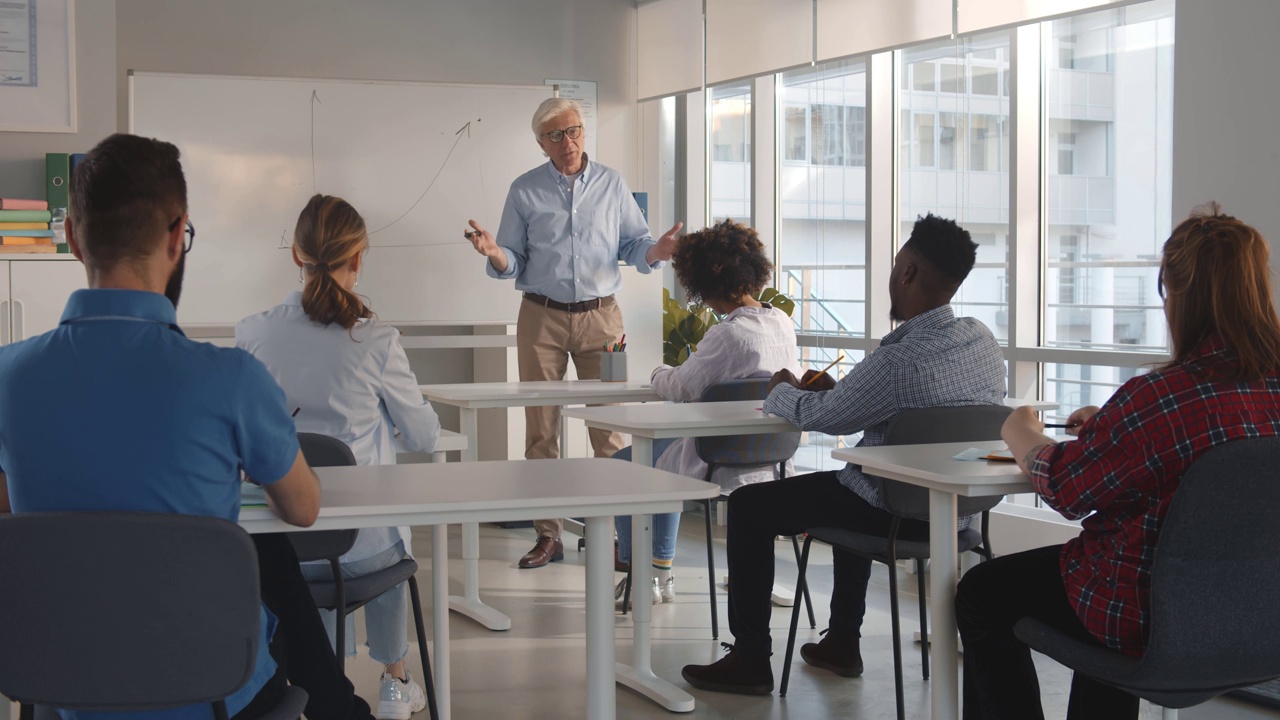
(546, 550)
(841, 657)
(734, 673)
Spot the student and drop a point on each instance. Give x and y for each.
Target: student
(116, 410)
(349, 378)
(723, 267)
(1122, 472)
(931, 359)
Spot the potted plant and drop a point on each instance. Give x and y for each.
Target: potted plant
(683, 328)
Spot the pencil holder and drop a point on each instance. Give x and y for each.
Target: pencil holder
(613, 367)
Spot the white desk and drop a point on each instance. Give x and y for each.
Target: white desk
(438, 494)
(647, 423)
(933, 467)
(472, 397)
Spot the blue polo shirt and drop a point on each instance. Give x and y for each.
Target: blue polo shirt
(116, 409)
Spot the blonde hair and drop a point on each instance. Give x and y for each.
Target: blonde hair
(550, 109)
(1216, 280)
(329, 234)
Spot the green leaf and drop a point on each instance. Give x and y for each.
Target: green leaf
(778, 300)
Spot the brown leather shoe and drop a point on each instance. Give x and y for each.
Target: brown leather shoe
(546, 550)
(841, 657)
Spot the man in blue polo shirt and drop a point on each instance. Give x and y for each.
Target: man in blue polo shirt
(117, 410)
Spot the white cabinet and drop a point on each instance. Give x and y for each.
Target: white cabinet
(33, 294)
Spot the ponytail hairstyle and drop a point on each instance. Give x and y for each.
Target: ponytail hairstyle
(1215, 278)
(330, 234)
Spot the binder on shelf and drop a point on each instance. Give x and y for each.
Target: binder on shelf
(26, 216)
(7, 226)
(57, 175)
(22, 240)
(19, 204)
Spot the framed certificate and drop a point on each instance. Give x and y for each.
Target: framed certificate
(37, 66)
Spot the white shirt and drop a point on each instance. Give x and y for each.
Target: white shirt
(355, 387)
(748, 342)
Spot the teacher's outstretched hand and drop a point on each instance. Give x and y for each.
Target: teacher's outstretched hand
(484, 244)
(666, 246)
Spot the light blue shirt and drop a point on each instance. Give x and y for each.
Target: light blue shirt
(115, 409)
(356, 387)
(564, 239)
(932, 360)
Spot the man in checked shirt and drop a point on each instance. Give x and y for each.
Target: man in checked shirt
(931, 359)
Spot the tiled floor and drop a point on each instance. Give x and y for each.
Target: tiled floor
(537, 669)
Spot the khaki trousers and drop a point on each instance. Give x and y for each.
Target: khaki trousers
(545, 340)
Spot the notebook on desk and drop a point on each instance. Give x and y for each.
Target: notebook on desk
(252, 496)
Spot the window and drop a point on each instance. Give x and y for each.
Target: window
(796, 127)
(730, 145)
(1109, 181)
(821, 261)
(954, 161)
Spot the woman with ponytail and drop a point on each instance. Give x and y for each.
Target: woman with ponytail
(1120, 475)
(350, 379)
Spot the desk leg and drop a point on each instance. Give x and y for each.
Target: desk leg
(640, 676)
(470, 604)
(943, 650)
(440, 614)
(602, 701)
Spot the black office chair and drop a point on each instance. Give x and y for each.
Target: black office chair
(970, 423)
(771, 450)
(348, 595)
(1215, 585)
(99, 604)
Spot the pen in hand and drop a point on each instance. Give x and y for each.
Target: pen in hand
(296, 411)
(1061, 425)
(823, 370)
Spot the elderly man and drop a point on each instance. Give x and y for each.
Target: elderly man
(565, 226)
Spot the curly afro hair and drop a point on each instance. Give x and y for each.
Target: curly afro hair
(946, 245)
(722, 262)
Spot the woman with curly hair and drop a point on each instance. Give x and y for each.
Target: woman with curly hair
(723, 267)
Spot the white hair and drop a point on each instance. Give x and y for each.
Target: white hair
(553, 108)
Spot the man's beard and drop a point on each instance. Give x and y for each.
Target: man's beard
(894, 315)
(173, 289)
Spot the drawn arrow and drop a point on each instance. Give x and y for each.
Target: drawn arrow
(314, 99)
(457, 138)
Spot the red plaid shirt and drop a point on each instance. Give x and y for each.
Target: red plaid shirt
(1123, 470)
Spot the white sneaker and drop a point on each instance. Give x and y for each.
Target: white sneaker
(621, 588)
(667, 590)
(398, 699)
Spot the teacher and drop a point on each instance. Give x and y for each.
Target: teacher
(565, 227)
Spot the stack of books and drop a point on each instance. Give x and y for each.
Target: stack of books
(24, 226)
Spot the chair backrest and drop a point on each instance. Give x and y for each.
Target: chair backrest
(99, 608)
(744, 450)
(323, 451)
(917, 426)
(1215, 582)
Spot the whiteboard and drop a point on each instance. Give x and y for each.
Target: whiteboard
(417, 160)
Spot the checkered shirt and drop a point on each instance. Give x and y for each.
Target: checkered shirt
(1121, 473)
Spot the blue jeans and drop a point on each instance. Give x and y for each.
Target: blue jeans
(386, 617)
(665, 526)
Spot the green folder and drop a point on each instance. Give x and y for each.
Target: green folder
(57, 175)
(39, 216)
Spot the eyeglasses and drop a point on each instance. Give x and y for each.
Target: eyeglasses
(190, 231)
(572, 132)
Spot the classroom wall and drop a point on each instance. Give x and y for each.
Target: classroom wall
(22, 154)
(1226, 101)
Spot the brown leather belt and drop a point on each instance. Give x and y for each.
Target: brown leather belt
(573, 307)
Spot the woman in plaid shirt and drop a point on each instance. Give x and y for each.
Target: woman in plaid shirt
(1222, 384)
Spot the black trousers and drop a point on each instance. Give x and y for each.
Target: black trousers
(760, 512)
(999, 676)
(301, 647)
